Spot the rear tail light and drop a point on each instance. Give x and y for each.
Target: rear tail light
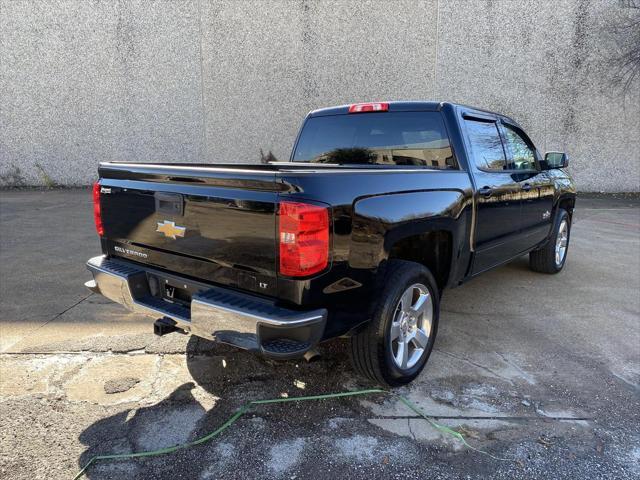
(368, 107)
(304, 239)
(97, 217)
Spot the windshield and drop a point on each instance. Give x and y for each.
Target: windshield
(390, 138)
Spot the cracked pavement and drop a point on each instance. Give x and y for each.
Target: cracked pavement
(540, 372)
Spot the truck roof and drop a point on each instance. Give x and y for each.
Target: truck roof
(396, 106)
(403, 106)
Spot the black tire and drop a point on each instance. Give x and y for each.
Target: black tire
(543, 260)
(371, 349)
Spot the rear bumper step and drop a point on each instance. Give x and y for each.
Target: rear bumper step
(215, 313)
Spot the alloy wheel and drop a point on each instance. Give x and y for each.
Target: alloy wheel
(411, 326)
(561, 242)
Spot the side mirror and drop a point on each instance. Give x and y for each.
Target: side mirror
(556, 160)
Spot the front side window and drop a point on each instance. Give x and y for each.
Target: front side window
(486, 145)
(522, 154)
(389, 138)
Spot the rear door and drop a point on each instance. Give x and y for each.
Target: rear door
(497, 195)
(218, 227)
(537, 187)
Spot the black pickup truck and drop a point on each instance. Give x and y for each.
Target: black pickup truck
(381, 207)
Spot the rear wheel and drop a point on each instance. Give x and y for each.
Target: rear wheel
(396, 344)
(553, 255)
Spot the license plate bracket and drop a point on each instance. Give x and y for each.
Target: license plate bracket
(175, 294)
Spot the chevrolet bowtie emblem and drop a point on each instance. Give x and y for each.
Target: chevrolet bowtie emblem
(170, 229)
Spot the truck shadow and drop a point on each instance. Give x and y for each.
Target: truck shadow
(223, 379)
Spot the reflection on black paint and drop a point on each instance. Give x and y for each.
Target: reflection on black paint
(224, 235)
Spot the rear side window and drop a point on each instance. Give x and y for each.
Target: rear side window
(486, 145)
(389, 138)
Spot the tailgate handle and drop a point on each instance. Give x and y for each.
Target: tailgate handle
(169, 203)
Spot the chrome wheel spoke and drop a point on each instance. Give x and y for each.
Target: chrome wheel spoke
(421, 304)
(402, 356)
(415, 356)
(420, 339)
(395, 330)
(406, 300)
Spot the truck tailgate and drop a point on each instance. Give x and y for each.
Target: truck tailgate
(207, 223)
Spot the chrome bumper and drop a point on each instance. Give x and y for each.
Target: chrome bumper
(215, 313)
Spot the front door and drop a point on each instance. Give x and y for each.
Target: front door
(497, 195)
(537, 187)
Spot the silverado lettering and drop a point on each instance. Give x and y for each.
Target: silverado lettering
(126, 251)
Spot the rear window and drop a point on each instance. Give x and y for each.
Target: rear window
(390, 138)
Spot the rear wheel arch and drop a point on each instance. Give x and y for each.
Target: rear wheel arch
(383, 225)
(432, 249)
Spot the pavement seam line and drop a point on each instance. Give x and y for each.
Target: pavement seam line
(158, 371)
(29, 332)
(476, 417)
(58, 315)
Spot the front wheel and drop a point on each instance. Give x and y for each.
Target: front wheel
(396, 344)
(553, 255)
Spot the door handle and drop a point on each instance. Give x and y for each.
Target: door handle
(526, 187)
(486, 191)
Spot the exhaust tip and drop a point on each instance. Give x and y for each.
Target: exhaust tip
(312, 355)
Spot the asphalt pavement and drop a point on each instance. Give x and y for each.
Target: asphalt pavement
(540, 372)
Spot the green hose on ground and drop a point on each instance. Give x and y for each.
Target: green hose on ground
(247, 406)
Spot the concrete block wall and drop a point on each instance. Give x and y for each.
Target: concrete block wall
(218, 81)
